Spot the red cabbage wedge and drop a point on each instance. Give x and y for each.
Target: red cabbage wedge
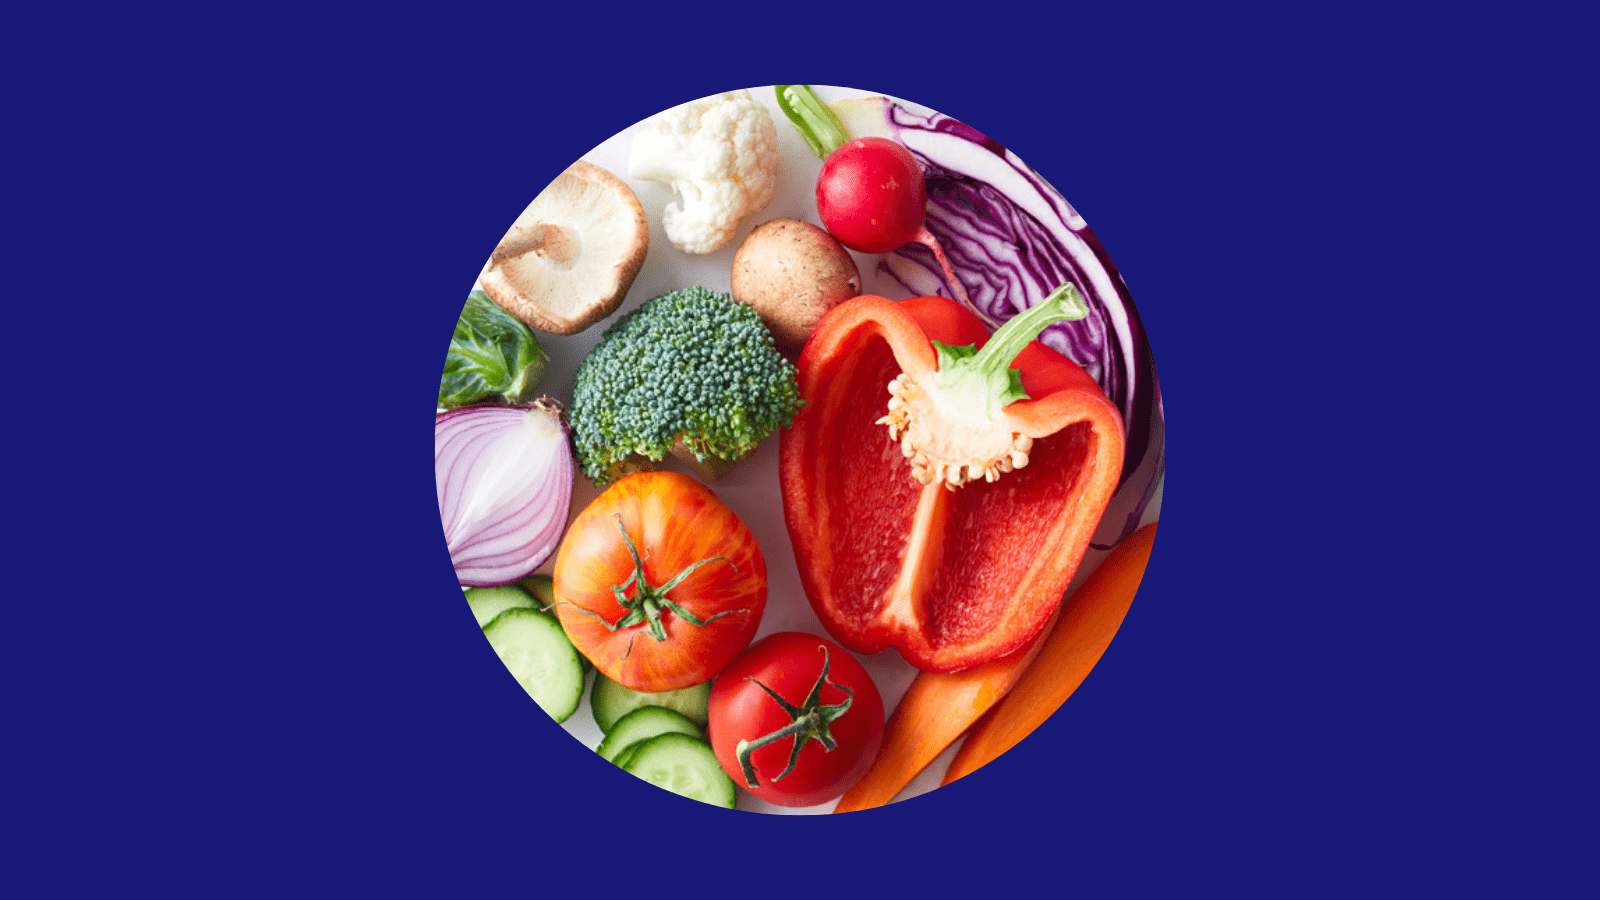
(1011, 239)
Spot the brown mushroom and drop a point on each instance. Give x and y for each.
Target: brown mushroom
(571, 256)
(792, 272)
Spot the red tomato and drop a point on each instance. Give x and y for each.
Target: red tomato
(693, 582)
(791, 665)
(871, 195)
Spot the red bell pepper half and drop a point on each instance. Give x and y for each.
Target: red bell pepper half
(940, 485)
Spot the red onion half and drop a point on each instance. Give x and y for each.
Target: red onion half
(504, 476)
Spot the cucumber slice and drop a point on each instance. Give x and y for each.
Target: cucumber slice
(543, 589)
(645, 722)
(683, 765)
(612, 701)
(488, 602)
(627, 754)
(538, 654)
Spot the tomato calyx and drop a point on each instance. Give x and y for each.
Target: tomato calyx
(808, 721)
(649, 601)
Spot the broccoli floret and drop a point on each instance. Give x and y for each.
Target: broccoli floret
(693, 369)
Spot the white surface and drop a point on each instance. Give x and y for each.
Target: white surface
(752, 489)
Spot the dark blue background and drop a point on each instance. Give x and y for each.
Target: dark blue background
(1355, 666)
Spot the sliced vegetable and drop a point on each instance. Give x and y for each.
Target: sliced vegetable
(571, 256)
(796, 720)
(611, 701)
(1089, 620)
(492, 356)
(626, 754)
(1010, 238)
(504, 478)
(951, 535)
(542, 588)
(645, 722)
(488, 602)
(538, 654)
(659, 583)
(683, 765)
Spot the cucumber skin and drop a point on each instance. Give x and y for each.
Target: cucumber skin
(547, 623)
(618, 741)
(543, 589)
(611, 701)
(488, 603)
(644, 755)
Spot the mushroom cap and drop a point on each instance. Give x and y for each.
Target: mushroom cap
(793, 272)
(570, 257)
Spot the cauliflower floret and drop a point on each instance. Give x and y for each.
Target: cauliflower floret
(720, 154)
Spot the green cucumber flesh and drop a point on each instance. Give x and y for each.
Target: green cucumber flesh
(543, 589)
(611, 701)
(538, 654)
(488, 602)
(683, 765)
(645, 722)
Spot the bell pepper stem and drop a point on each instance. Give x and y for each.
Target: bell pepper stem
(984, 377)
(1063, 305)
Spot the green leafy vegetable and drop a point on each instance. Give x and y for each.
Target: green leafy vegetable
(691, 368)
(492, 356)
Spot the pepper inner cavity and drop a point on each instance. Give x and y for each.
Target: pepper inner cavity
(946, 443)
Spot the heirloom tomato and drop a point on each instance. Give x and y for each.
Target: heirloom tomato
(658, 583)
(795, 720)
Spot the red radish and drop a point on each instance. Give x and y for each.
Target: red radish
(872, 198)
(871, 195)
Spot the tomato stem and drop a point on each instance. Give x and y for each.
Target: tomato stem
(807, 722)
(648, 602)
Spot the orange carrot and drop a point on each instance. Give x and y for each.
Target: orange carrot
(1088, 622)
(935, 710)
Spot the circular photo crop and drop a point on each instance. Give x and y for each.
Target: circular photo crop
(799, 449)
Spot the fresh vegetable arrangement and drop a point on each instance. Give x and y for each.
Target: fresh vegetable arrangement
(1010, 239)
(940, 467)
